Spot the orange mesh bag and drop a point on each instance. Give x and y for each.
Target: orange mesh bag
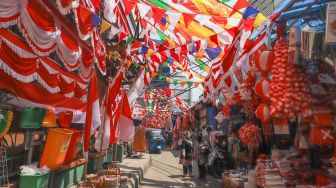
(50, 118)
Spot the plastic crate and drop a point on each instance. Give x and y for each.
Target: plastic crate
(34, 181)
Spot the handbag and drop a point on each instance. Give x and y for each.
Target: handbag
(65, 119)
(50, 118)
(32, 117)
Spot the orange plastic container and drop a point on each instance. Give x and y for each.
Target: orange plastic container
(73, 146)
(55, 148)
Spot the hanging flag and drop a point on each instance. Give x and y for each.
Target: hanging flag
(168, 79)
(157, 13)
(213, 52)
(129, 5)
(214, 39)
(92, 119)
(259, 19)
(175, 82)
(104, 26)
(96, 3)
(196, 84)
(122, 36)
(143, 9)
(183, 82)
(161, 35)
(240, 4)
(190, 83)
(125, 125)
(144, 49)
(113, 31)
(95, 20)
(188, 18)
(83, 13)
(173, 19)
(250, 12)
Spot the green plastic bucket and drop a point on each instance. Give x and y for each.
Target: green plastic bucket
(34, 181)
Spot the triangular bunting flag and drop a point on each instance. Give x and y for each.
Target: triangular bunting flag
(188, 18)
(175, 82)
(214, 39)
(190, 83)
(196, 84)
(161, 35)
(143, 9)
(213, 52)
(129, 5)
(84, 13)
(95, 20)
(122, 36)
(104, 26)
(173, 18)
(157, 13)
(250, 12)
(240, 4)
(129, 40)
(114, 30)
(153, 74)
(183, 82)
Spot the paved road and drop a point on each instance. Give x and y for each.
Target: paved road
(166, 172)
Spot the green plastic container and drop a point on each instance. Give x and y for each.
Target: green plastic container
(93, 164)
(120, 152)
(69, 177)
(34, 181)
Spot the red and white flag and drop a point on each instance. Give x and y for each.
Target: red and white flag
(92, 120)
(125, 125)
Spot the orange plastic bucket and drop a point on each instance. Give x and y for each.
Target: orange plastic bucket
(55, 148)
(73, 146)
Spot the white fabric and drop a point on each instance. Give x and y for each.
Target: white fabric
(68, 57)
(113, 31)
(103, 139)
(143, 9)
(67, 9)
(96, 122)
(136, 89)
(9, 8)
(202, 18)
(173, 18)
(36, 35)
(109, 10)
(126, 129)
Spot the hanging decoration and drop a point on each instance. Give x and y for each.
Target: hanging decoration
(250, 135)
(6, 118)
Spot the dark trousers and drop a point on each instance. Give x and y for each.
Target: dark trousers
(187, 169)
(201, 170)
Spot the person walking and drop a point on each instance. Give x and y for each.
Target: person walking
(186, 155)
(200, 155)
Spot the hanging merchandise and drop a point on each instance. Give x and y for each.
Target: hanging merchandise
(32, 117)
(6, 118)
(250, 135)
(289, 90)
(65, 119)
(49, 119)
(265, 60)
(263, 113)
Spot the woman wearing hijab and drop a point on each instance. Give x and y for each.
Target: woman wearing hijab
(186, 155)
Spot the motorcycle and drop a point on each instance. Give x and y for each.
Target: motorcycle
(219, 159)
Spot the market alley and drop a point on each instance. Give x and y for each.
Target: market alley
(165, 171)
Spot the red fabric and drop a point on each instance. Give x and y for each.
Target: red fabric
(188, 18)
(92, 98)
(157, 13)
(41, 17)
(68, 40)
(66, 3)
(129, 5)
(65, 119)
(65, 87)
(84, 20)
(321, 135)
(324, 120)
(114, 129)
(214, 38)
(219, 20)
(50, 79)
(100, 51)
(35, 93)
(240, 4)
(122, 36)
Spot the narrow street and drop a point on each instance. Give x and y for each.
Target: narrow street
(166, 171)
